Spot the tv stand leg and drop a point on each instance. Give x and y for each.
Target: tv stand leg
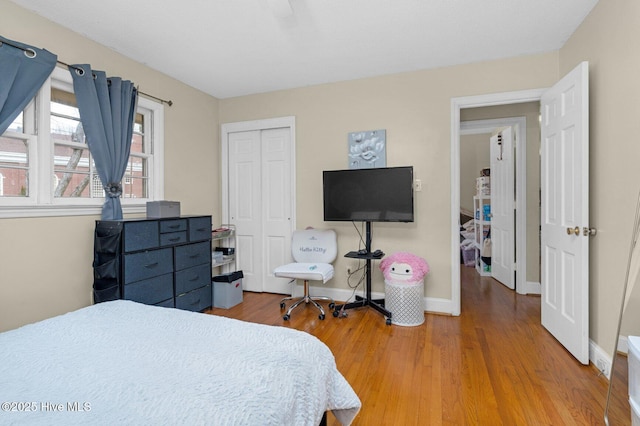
(377, 304)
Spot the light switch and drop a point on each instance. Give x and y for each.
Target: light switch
(418, 185)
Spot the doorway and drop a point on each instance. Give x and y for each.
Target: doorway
(458, 104)
(476, 127)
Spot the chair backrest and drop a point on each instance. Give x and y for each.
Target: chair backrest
(314, 245)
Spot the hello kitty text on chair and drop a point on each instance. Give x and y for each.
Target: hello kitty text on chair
(404, 287)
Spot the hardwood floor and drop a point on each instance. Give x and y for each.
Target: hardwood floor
(493, 365)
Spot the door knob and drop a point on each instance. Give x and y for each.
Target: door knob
(589, 232)
(575, 231)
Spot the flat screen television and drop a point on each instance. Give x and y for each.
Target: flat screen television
(368, 195)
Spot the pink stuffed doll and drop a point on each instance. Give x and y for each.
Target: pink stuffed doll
(401, 268)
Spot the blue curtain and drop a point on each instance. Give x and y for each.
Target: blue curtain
(23, 70)
(107, 110)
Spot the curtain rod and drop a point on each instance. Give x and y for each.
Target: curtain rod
(169, 102)
(31, 53)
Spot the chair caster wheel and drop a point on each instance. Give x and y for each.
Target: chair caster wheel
(388, 321)
(286, 317)
(321, 316)
(336, 313)
(282, 305)
(332, 305)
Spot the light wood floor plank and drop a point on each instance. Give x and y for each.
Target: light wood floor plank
(493, 365)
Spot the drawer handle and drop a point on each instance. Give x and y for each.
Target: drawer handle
(201, 229)
(151, 265)
(174, 239)
(194, 256)
(196, 278)
(174, 226)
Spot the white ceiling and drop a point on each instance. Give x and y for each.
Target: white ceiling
(230, 48)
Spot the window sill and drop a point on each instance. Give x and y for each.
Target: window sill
(7, 212)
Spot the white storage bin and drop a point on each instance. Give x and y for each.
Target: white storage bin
(227, 290)
(405, 301)
(634, 368)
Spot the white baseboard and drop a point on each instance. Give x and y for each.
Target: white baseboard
(532, 288)
(431, 304)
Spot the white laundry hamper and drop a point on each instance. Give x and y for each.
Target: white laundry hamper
(405, 301)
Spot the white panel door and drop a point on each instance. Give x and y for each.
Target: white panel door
(260, 205)
(502, 207)
(565, 211)
(276, 201)
(245, 205)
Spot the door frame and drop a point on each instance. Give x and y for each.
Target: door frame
(493, 99)
(244, 126)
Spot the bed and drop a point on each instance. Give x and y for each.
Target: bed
(122, 362)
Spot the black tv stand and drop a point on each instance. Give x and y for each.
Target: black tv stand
(368, 256)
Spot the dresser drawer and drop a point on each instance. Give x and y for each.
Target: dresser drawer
(147, 264)
(141, 235)
(192, 255)
(169, 303)
(173, 238)
(196, 300)
(192, 278)
(199, 228)
(150, 291)
(173, 225)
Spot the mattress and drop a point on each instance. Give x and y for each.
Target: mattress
(122, 362)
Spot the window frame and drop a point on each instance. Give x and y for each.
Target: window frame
(40, 202)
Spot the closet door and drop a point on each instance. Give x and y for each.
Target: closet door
(260, 204)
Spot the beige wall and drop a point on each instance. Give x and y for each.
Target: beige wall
(45, 263)
(474, 156)
(415, 109)
(608, 40)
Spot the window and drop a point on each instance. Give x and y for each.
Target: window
(46, 166)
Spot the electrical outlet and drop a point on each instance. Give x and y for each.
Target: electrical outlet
(602, 365)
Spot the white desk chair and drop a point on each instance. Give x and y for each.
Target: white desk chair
(313, 251)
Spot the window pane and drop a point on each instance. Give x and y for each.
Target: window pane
(14, 166)
(13, 152)
(135, 188)
(72, 170)
(18, 124)
(13, 182)
(64, 109)
(137, 145)
(65, 117)
(138, 124)
(135, 182)
(66, 129)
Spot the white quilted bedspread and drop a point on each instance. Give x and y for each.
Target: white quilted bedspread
(124, 363)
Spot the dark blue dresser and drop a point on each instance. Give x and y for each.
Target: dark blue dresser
(164, 262)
